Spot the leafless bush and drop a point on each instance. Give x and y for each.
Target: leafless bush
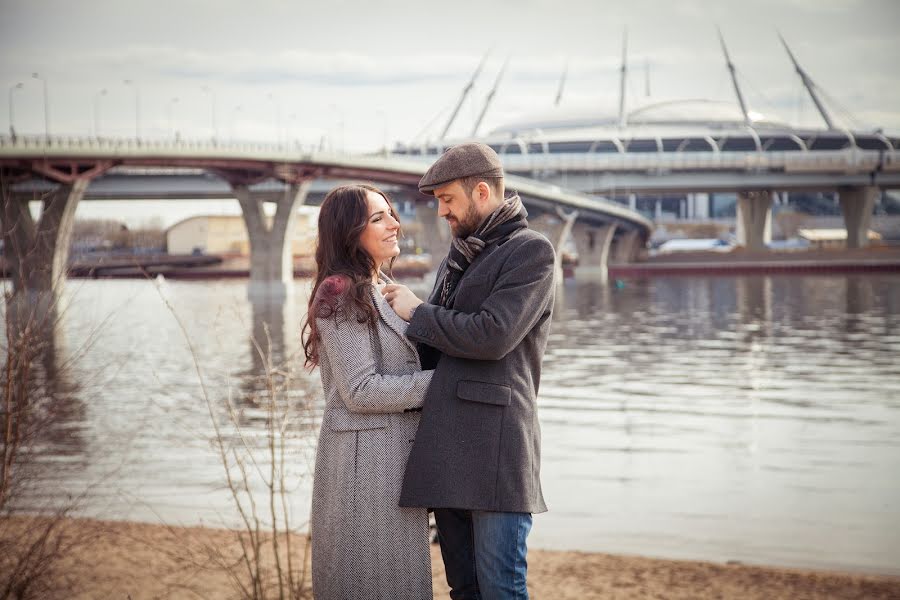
(268, 563)
(36, 398)
(33, 533)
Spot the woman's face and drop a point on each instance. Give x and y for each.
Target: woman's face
(379, 238)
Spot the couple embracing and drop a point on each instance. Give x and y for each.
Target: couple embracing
(428, 405)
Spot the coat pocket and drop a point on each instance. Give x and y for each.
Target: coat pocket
(347, 421)
(487, 393)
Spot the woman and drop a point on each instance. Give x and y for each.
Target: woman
(363, 544)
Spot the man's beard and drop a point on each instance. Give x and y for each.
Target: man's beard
(468, 224)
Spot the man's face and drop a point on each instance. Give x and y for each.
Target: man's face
(458, 208)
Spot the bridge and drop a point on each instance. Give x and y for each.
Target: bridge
(63, 171)
(856, 167)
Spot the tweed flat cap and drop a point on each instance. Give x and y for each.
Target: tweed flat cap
(465, 160)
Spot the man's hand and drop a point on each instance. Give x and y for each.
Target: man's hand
(401, 300)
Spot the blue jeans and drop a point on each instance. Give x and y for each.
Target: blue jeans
(484, 553)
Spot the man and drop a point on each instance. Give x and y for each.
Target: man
(476, 456)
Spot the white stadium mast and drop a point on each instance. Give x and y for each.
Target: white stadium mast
(810, 86)
(465, 93)
(490, 97)
(623, 73)
(734, 81)
(562, 83)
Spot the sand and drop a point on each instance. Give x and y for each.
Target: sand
(145, 561)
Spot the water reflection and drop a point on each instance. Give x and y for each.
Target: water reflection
(860, 295)
(726, 417)
(749, 418)
(266, 350)
(46, 421)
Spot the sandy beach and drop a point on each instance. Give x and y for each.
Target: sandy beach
(146, 561)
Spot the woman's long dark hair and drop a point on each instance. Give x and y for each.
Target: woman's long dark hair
(343, 268)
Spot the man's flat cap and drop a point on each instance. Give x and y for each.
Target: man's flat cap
(464, 160)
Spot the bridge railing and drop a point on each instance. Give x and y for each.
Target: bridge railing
(62, 142)
(852, 160)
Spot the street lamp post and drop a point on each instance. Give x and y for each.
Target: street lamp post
(12, 127)
(278, 127)
(384, 130)
(97, 97)
(212, 111)
(46, 106)
(171, 110)
(291, 133)
(137, 108)
(340, 124)
(234, 112)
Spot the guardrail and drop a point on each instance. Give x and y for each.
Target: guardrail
(847, 161)
(58, 142)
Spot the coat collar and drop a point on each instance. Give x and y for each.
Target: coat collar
(488, 250)
(388, 315)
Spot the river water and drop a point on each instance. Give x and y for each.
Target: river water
(754, 419)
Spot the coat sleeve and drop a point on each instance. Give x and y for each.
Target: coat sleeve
(348, 345)
(518, 300)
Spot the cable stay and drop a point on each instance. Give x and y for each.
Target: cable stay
(490, 97)
(465, 94)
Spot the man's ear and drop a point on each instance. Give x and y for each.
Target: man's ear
(483, 192)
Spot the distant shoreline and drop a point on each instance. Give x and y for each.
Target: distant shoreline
(875, 259)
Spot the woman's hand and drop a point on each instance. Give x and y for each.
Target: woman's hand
(401, 299)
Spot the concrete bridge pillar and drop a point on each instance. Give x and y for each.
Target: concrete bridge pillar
(37, 253)
(271, 257)
(627, 246)
(558, 240)
(556, 228)
(435, 235)
(857, 204)
(754, 219)
(593, 245)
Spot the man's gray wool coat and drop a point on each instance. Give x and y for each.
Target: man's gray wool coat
(479, 444)
(364, 545)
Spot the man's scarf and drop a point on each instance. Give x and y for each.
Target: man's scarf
(499, 225)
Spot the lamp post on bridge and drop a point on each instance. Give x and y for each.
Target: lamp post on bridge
(137, 107)
(212, 111)
(384, 130)
(171, 110)
(278, 127)
(234, 112)
(291, 131)
(12, 127)
(97, 98)
(46, 106)
(340, 124)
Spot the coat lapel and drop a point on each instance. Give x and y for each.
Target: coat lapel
(481, 256)
(435, 297)
(388, 315)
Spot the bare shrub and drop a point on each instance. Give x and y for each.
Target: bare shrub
(37, 400)
(268, 564)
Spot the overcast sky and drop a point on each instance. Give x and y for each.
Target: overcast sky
(357, 73)
(388, 68)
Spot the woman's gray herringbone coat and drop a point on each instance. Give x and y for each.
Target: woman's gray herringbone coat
(364, 545)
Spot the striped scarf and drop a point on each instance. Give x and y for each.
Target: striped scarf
(500, 224)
